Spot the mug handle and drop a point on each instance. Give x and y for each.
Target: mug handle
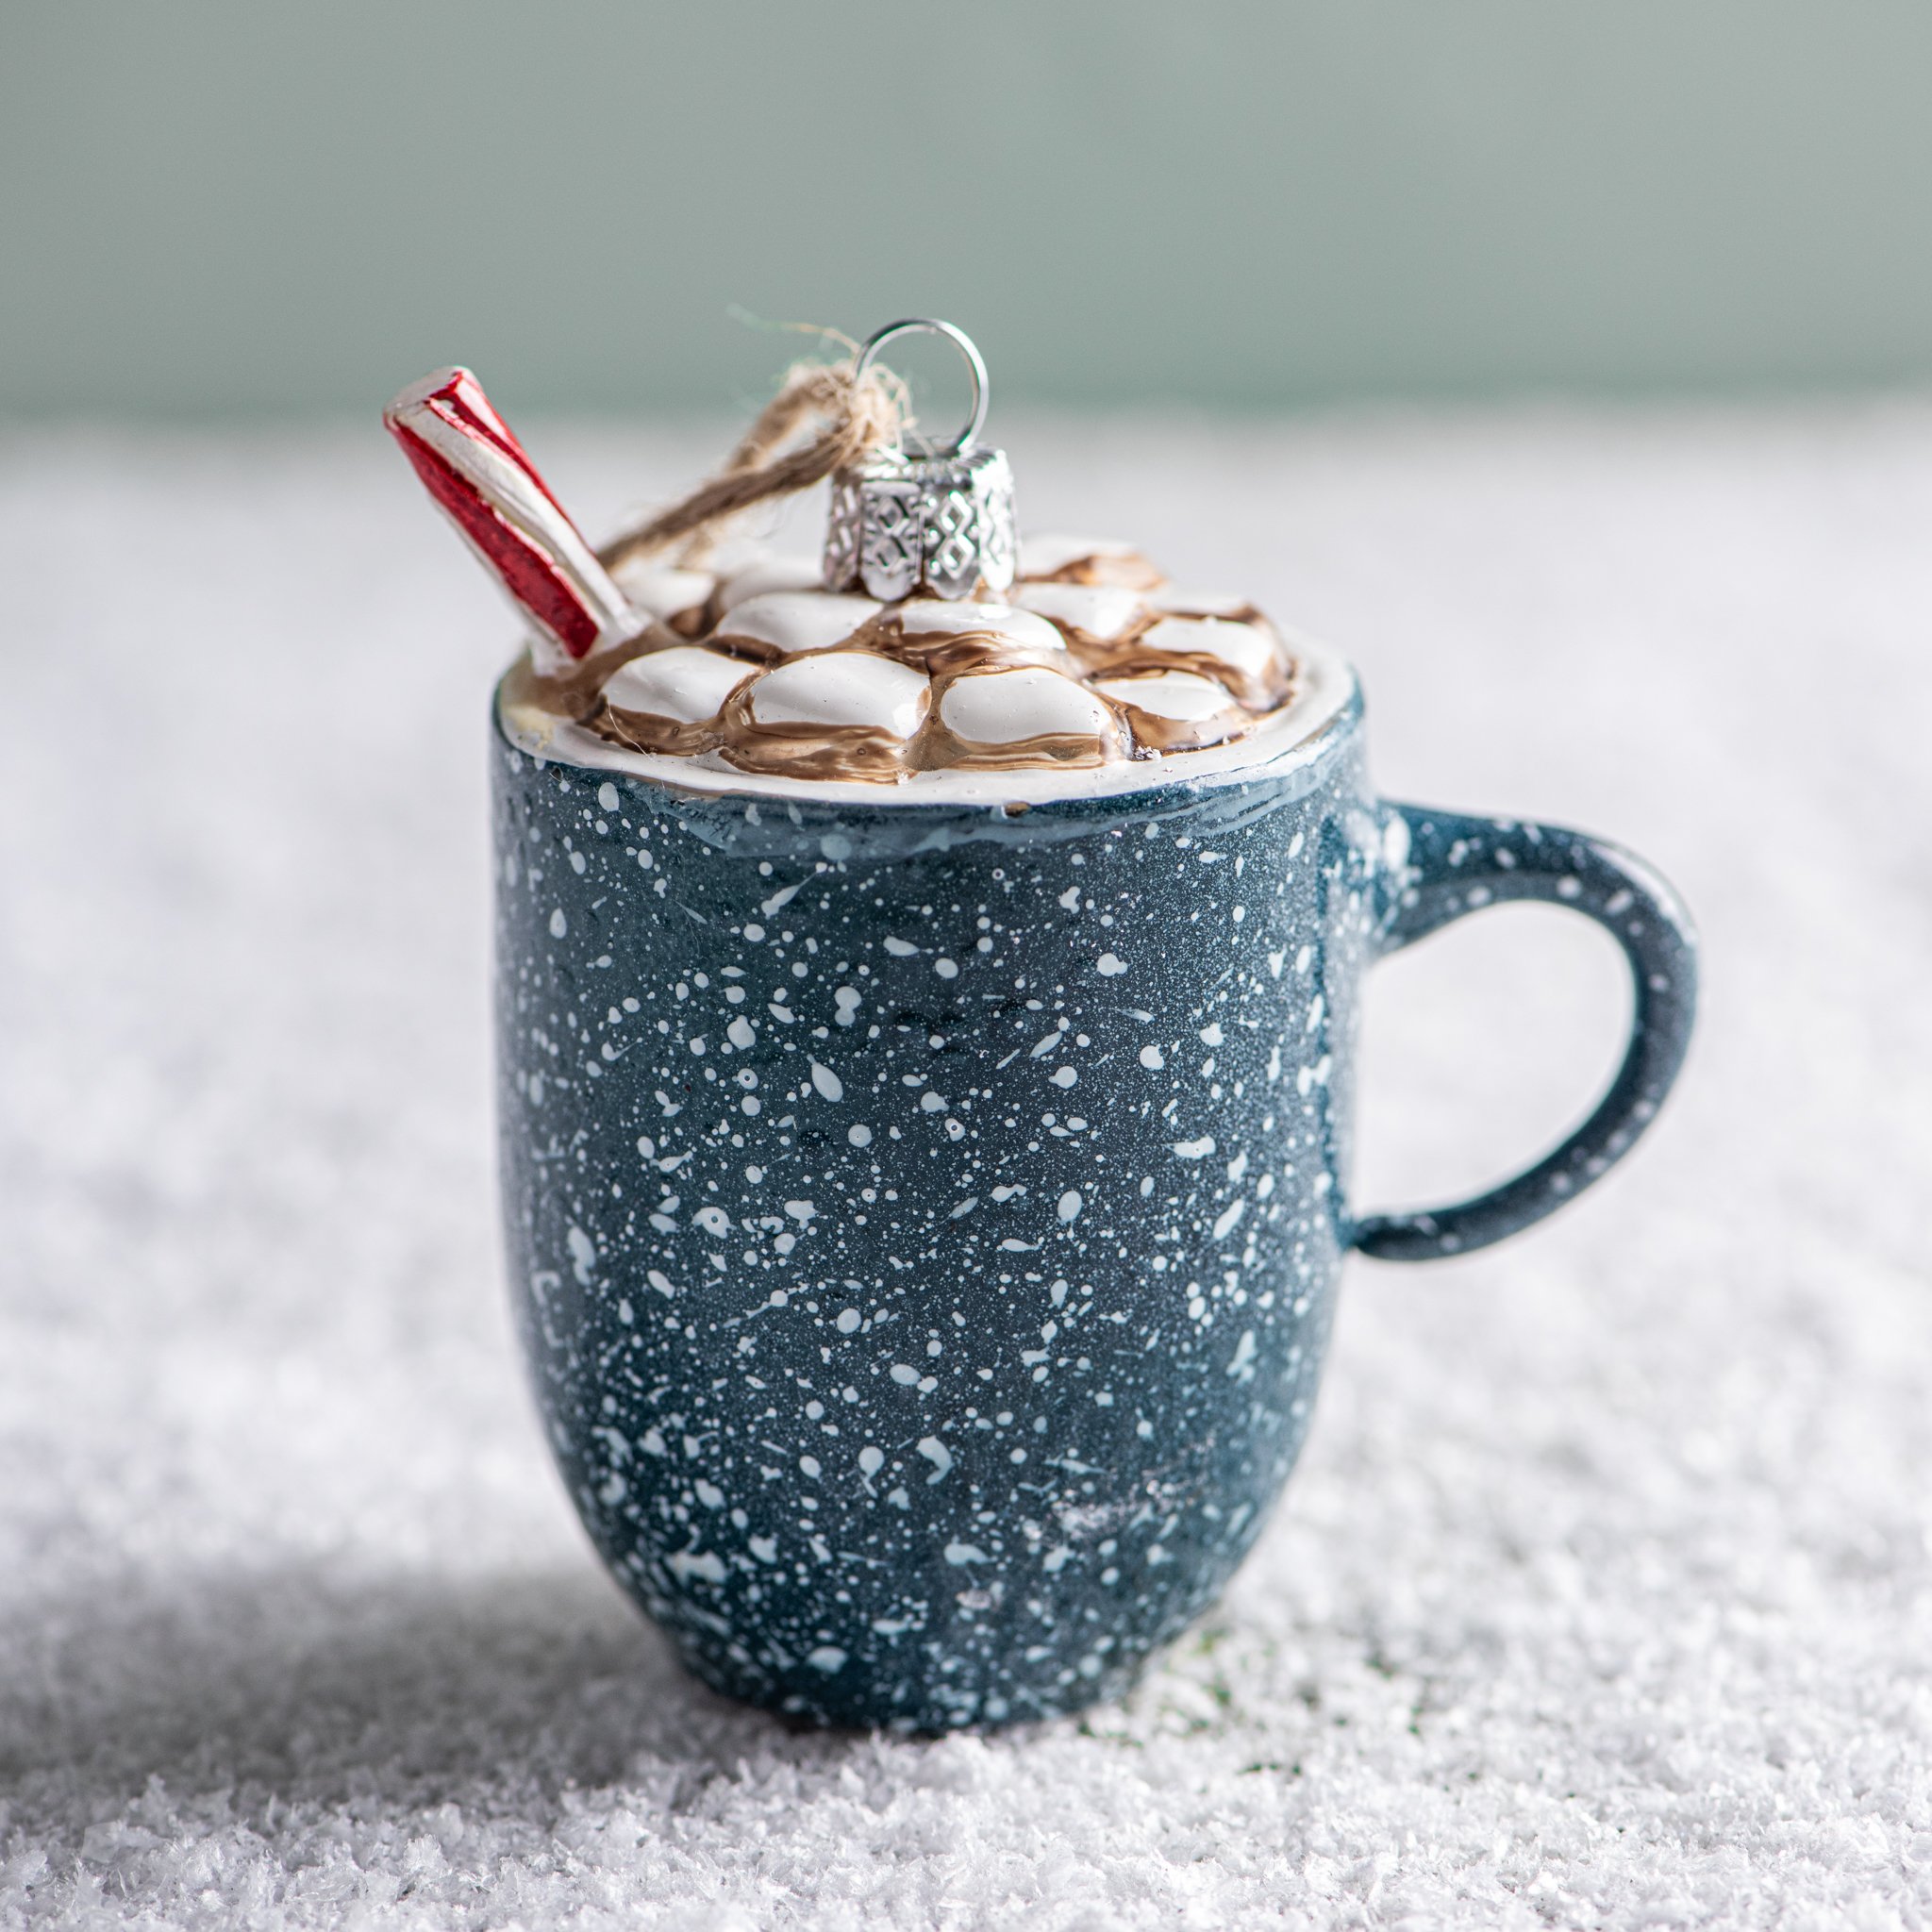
(1457, 865)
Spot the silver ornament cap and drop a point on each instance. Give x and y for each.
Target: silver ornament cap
(928, 517)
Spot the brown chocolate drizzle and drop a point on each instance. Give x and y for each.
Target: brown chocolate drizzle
(860, 753)
(945, 654)
(940, 751)
(643, 731)
(1128, 656)
(1126, 570)
(1154, 735)
(808, 751)
(577, 692)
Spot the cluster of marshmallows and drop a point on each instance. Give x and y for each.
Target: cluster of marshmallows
(1093, 659)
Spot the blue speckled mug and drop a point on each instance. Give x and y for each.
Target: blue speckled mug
(924, 1220)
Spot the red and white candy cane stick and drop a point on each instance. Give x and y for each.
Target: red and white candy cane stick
(478, 474)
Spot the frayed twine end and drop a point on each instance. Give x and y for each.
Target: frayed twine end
(841, 418)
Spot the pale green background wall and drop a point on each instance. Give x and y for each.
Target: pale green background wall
(218, 206)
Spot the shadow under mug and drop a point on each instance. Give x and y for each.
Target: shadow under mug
(924, 1221)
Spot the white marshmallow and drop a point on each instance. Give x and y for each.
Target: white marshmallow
(1182, 695)
(685, 684)
(664, 590)
(1198, 603)
(841, 689)
(1007, 706)
(1040, 557)
(1102, 610)
(769, 574)
(798, 620)
(1245, 648)
(936, 616)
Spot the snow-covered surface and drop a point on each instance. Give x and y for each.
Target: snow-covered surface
(1603, 1595)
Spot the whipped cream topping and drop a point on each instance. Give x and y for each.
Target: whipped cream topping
(1094, 666)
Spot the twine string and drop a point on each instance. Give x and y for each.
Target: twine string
(846, 420)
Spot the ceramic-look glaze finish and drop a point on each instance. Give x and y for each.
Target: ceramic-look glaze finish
(924, 1222)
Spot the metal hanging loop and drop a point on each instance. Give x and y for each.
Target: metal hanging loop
(976, 369)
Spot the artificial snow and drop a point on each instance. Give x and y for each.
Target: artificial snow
(1603, 1593)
